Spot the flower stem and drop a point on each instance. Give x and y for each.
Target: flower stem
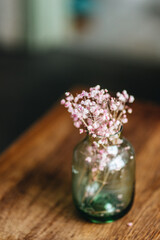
(101, 187)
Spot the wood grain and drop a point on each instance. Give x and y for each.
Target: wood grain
(35, 182)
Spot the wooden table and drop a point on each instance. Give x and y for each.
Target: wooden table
(35, 182)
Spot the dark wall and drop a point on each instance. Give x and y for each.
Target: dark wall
(30, 84)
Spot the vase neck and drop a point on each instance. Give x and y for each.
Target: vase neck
(110, 139)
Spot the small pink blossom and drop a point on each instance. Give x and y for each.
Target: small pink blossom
(63, 101)
(81, 131)
(131, 99)
(67, 93)
(129, 224)
(129, 110)
(125, 120)
(89, 127)
(77, 124)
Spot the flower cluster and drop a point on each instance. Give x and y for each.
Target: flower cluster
(98, 113)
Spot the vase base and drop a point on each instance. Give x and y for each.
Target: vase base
(105, 219)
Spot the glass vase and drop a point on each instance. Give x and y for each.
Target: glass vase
(103, 179)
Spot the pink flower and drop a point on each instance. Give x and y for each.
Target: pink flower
(131, 99)
(124, 120)
(129, 224)
(63, 101)
(97, 113)
(89, 127)
(77, 124)
(81, 131)
(129, 110)
(125, 94)
(67, 93)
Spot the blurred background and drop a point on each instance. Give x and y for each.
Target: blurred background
(49, 46)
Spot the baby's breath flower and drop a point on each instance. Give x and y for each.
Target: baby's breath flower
(67, 93)
(81, 131)
(131, 99)
(97, 113)
(63, 101)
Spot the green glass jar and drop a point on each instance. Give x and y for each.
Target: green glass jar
(103, 179)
